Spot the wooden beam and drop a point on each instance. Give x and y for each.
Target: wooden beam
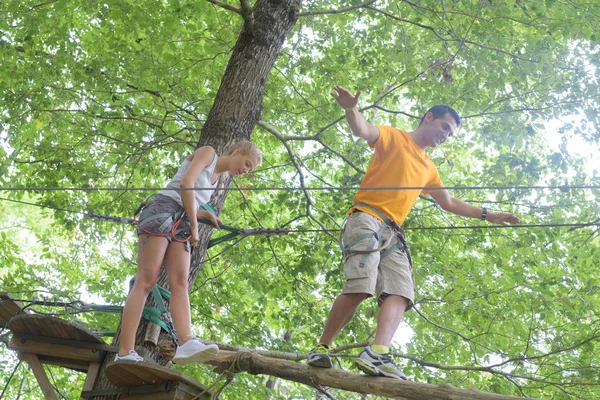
(20, 344)
(164, 391)
(388, 387)
(9, 307)
(76, 365)
(91, 376)
(40, 375)
(68, 342)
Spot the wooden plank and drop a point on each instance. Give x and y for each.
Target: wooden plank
(72, 343)
(149, 391)
(59, 330)
(170, 391)
(9, 307)
(179, 391)
(75, 365)
(56, 350)
(170, 395)
(44, 325)
(40, 375)
(132, 373)
(90, 379)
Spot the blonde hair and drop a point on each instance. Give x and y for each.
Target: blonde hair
(248, 149)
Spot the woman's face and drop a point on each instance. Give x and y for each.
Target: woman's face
(242, 163)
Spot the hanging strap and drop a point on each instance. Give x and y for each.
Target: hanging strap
(160, 314)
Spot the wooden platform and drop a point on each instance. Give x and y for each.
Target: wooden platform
(41, 339)
(56, 341)
(52, 327)
(9, 307)
(168, 383)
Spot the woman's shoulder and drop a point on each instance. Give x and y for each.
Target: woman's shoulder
(206, 152)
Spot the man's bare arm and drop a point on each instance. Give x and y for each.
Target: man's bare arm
(459, 207)
(357, 123)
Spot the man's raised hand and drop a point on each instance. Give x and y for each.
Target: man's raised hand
(345, 98)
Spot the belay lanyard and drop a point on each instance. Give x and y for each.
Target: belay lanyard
(376, 243)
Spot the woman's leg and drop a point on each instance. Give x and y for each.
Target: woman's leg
(177, 260)
(151, 251)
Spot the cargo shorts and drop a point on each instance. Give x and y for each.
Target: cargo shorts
(152, 221)
(391, 274)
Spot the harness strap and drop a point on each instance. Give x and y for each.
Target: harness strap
(397, 232)
(158, 293)
(153, 315)
(381, 215)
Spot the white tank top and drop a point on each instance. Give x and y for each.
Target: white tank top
(201, 196)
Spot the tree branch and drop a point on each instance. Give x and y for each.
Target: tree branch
(248, 15)
(339, 11)
(43, 4)
(256, 364)
(226, 6)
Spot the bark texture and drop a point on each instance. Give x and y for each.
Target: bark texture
(254, 363)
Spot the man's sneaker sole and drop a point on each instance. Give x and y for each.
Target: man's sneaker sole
(207, 354)
(372, 370)
(320, 361)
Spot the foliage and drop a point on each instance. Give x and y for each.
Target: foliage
(113, 94)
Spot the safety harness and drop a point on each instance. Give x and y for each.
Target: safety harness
(174, 218)
(376, 243)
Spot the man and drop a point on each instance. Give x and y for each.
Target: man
(376, 258)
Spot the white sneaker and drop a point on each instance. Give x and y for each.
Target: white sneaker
(131, 356)
(372, 363)
(195, 351)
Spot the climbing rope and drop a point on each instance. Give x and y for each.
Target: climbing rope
(309, 188)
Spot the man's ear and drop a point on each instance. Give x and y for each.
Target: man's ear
(429, 117)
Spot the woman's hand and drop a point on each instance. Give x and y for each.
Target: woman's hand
(210, 217)
(195, 237)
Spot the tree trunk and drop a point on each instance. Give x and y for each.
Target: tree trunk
(236, 110)
(336, 378)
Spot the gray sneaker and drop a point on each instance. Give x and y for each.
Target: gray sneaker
(319, 357)
(375, 364)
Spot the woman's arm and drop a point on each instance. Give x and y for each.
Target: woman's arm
(201, 158)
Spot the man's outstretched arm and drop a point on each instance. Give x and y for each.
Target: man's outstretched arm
(459, 207)
(358, 125)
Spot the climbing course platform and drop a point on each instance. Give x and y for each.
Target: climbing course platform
(142, 380)
(42, 339)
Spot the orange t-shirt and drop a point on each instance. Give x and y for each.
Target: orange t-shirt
(397, 161)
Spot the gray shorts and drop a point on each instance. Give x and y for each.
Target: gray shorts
(391, 274)
(152, 221)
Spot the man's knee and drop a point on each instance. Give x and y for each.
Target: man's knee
(395, 299)
(355, 298)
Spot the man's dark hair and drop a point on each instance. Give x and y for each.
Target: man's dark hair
(439, 112)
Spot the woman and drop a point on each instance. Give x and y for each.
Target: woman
(167, 229)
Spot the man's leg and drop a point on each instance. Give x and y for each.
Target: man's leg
(395, 292)
(390, 314)
(341, 313)
(360, 271)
